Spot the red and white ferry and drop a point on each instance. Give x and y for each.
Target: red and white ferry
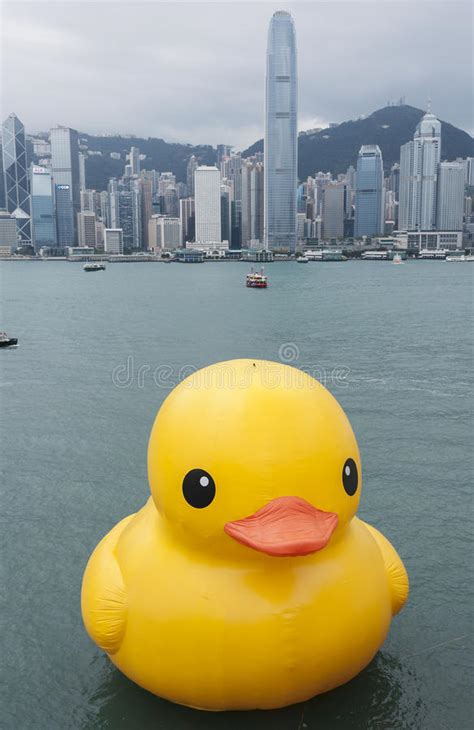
(256, 280)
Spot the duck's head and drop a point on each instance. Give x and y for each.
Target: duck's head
(254, 456)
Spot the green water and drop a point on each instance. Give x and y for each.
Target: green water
(79, 395)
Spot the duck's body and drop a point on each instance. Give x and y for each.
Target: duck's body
(297, 603)
(254, 625)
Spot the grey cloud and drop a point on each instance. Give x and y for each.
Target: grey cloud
(195, 72)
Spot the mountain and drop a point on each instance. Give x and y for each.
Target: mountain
(160, 155)
(334, 149)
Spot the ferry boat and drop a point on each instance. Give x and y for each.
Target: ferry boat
(6, 341)
(302, 260)
(460, 257)
(433, 253)
(256, 281)
(94, 267)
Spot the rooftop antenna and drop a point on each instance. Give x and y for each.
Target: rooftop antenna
(428, 106)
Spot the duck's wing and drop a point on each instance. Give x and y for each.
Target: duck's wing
(104, 596)
(397, 575)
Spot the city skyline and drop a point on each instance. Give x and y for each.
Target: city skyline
(188, 46)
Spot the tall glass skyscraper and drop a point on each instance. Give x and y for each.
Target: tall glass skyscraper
(15, 171)
(65, 164)
(419, 160)
(43, 218)
(281, 134)
(369, 202)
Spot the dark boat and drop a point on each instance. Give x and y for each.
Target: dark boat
(94, 267)
(6, 341)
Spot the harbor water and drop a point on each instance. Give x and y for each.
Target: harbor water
(98, 353)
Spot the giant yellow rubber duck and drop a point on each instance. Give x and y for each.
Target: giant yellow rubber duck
(246, 581)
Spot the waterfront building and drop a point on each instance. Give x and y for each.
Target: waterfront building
(113, 240)
(15, 174)
(432, 240)
(207, 186)
(64, 216)
(8, 232)
(369, 199)
(134, 160)
(86, 226)
(187, 217)
(164, 233)
(450, 198)
(334, 207)
(65, 164)
(281, 134)
(43, 217)
(192, 166)
(419, 160)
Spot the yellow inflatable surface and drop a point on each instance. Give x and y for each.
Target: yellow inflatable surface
(246, 581)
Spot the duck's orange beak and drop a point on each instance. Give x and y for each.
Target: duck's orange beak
(286, 526)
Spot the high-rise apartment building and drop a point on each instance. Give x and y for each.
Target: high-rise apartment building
(419, 160)
(369, 200)
(65, 164)
(450, 198)
(43, 217)
(15, 172)
(207, 188)
(281, 134)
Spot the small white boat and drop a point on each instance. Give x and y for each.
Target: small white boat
(397, 259)
(302, 260)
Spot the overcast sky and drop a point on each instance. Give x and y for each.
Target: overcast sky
(194, 72)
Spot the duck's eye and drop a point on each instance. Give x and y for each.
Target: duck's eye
(198, 488)
(350, 478)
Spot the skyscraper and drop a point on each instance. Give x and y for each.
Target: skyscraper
(450, 201)
(86, 225)
(281, 134)
(43, 219)
(64, 215)
(207, 190)
(65, 164)
(419, 160)
(193, 164)
(15, 171)
(135, 160)
(369, 203)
